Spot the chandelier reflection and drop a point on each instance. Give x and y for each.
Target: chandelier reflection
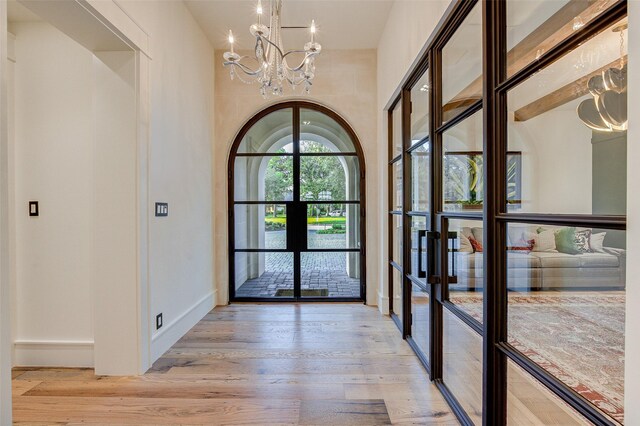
(606, 110)
(269, 65)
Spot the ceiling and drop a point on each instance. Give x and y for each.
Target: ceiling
(18, 13)
(342, 24)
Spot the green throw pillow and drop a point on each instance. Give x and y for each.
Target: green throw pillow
(566, 241)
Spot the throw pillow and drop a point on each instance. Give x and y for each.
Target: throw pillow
(477, 245)
(477, 235)
(523, 245)
(465, 245)
(582, 240)
(545, 240)
(597, 242)
(566, 240)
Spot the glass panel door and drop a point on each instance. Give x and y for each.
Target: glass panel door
(296, 215)
(418, 216)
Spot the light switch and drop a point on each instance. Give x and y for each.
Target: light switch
(33, 209)
(162, 209)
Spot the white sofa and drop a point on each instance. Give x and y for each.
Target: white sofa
(604, 270)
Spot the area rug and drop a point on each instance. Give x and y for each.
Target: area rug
(577, 337)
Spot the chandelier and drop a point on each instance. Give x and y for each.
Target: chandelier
(269, 67)
(606, 110)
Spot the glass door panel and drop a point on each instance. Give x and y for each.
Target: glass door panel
(329, 178)
(263, 178)
(421, 324)
(273, 133)
(397, 292)
(296, 211)
(264, 275)
(420, 169)
(261, 226)
(462, 66)
(462, 364)
(330, 274)
(333, 226)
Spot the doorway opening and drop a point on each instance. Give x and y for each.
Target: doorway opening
(296, 207)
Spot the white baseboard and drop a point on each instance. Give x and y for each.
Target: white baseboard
(173, 331)
(383, 304)
(53, 353)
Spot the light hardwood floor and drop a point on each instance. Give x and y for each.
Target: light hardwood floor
(308, 364)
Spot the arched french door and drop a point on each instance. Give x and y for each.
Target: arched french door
(296, 207)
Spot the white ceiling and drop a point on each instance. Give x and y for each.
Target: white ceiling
(342, 24)
(18, 13)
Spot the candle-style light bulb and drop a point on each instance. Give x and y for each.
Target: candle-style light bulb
(231, 40)
(313, 30)
(259, 11)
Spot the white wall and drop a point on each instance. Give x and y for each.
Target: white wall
(408, 28)
(181, 100)
(632, 338)
(5, 288)
(54, 137)
(347, 85)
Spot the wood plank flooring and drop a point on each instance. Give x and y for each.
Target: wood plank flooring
(263, 364)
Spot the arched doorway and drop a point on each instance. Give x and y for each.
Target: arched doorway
(296, 207)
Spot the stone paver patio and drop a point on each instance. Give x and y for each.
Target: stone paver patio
(319, 270)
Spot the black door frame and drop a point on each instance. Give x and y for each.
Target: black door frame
(296, 241)
(495, 217)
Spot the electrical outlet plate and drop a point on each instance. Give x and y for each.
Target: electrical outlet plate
(159, 321)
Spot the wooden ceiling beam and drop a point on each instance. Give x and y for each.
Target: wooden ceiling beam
(551, 32)
(567, 93)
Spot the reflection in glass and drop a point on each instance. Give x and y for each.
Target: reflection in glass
(321, 133)
(419, 247)
(465, 267)
(567, 166)
(420, 109)
(396, 122)
(462, 66)
(264, 274)
(330, 274)
(397, 186)
(260, 226)
(420, 324)
(536, 27)
(463, 187)
(541, 407)
(397, 292)
(396, 238)
(273, 132)
(462, 364)
(420, 178)
(566, 306)
(333, 226)
(268, 178)
(326, 178)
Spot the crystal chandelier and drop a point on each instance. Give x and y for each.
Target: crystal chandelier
(269, 66)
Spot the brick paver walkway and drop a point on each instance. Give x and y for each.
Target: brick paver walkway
(318, 270)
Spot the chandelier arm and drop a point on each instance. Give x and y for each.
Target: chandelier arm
(304, 61)
(274, 45)
(244, 68)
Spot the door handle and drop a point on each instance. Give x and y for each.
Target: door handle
(451, 252)
(432, 238)
(422, 270)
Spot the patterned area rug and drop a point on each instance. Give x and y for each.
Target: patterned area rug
(577, 337)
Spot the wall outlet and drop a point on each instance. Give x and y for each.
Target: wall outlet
(159, 321)
(162, 209)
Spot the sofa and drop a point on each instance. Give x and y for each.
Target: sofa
(532, 266)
